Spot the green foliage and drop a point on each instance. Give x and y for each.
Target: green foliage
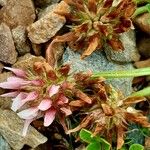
(94, 142)
(141, 10)
(135, 134)
(136, 147)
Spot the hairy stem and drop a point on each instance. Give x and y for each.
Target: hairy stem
(123, 73)
(144, 92)
(141, 1)
(141, 10)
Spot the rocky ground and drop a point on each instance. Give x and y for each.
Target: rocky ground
(26, 29)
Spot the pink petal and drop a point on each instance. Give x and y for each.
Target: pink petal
(53, 90)
(29, 113)
(31, 96)
(14, 79)
(26, 126)
(49, 117)
(37, 82)
(10, 85)
(10, 94)
(66, 111)
(45, 104)
(17, 102)
(62, 100)
(18, 72)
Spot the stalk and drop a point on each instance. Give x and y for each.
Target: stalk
(123, 73)
(141, 1)
(141, 10)
(144, 92)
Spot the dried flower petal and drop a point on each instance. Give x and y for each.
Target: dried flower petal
(82, 96)
(120, 137)
(66, 111)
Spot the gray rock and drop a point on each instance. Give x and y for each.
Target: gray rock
(27, 61)
(3, 2)
(46, 27)
(97, 62)
(17, 12)
(11, 129)
(130, 52)
(3, 144)
(20, 40)
(8, 53)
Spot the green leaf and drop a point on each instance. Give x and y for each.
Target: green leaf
(104, 144)
(94, 146)
(136, 147)
(86, 136)
(134, 134)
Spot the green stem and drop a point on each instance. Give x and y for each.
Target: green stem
(123, 73)
(144, 92)
(141, 10)
(141, 1)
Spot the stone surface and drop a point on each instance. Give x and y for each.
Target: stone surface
(3, 144)
(142, 64)
(37, 49)
(3, 3)
(27, 61)
(4, 102)
(44, 3)
(17, 12)
(130, 52)
(143, 22)
(97, 62)
(11, 129)
(46, 10)
(20, 39)
(8, 53)
(1, 67)
(46, 27)
(143, 46)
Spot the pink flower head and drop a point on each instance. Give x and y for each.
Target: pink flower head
(36, 95)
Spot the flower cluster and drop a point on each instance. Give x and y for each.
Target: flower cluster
(95, 22)
(44, 92)
(109, 113)
(38, 92)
